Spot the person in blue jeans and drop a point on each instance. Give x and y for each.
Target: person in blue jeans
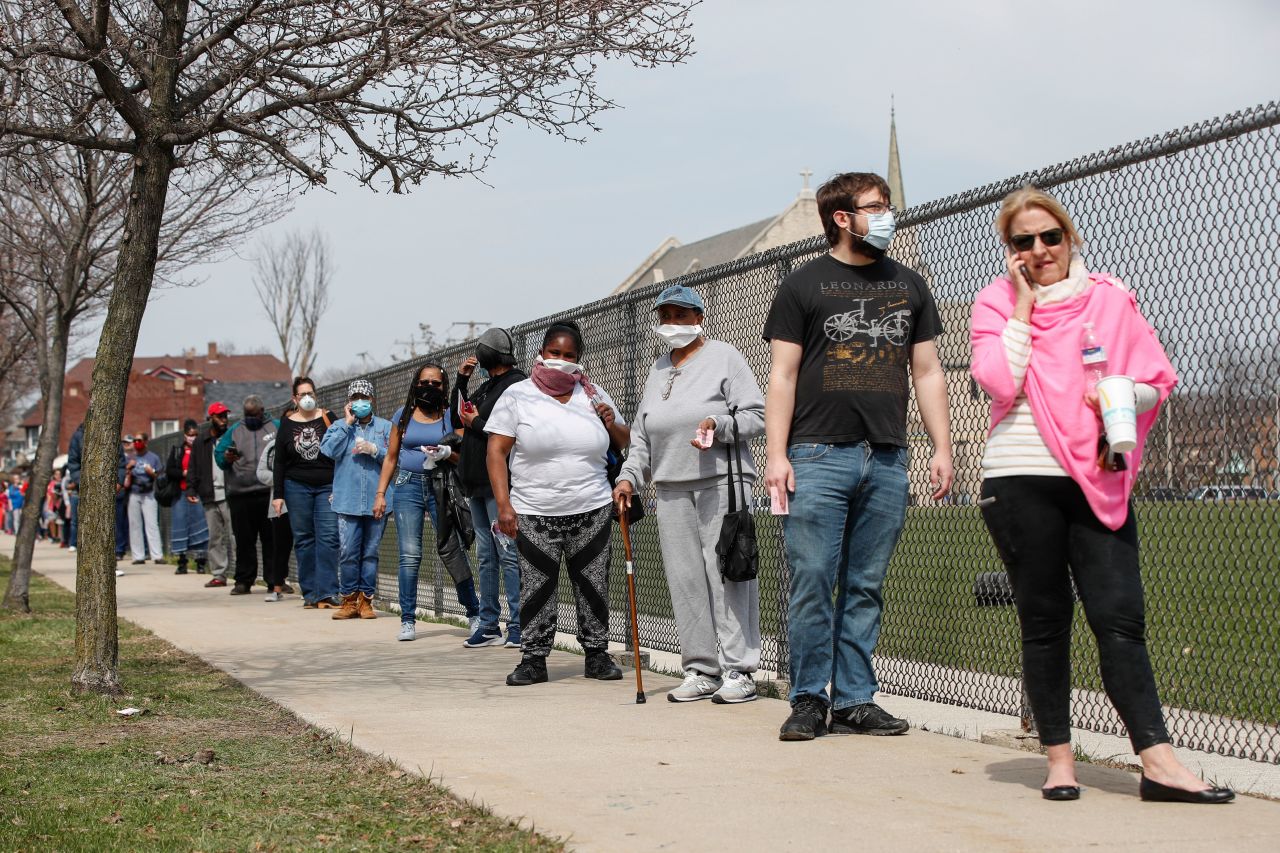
(499, 561)
(357, 444)
(304, 476)
(419, 432)
(846, 331)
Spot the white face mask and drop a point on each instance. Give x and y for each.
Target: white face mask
(678, 336)
(561, 365)
(307, 403)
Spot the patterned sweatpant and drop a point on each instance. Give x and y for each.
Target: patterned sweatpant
(582, 540)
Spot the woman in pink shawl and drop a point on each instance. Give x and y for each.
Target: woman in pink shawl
(1054, 496)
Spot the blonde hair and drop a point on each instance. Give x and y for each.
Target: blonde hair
(1029, 196)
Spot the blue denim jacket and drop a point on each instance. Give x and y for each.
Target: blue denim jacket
(355, 476)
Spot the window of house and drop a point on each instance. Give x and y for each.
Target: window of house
(163, 427)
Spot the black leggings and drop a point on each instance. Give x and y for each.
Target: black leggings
(1046, 535)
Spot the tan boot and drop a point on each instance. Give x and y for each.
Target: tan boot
(350, 608)
(365, 607)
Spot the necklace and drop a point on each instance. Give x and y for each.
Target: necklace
(671, 380)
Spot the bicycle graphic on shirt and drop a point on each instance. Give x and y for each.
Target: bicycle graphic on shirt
(894, 327)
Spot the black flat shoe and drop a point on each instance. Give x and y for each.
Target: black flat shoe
(1154, 792)
(1061, 792)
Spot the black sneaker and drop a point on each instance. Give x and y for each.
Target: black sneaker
(600, 665)
(240, 589)
(200, 569)
(808, 720)
(136, 562)
(181, 570)
(868, 719)
(530, 670)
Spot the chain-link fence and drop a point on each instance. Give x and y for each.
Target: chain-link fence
(1191, 220)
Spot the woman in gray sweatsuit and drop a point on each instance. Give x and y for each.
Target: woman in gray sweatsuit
(678, 441)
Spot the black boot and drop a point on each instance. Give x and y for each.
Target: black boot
(532, 669)
(200, 569)
(182, 565)
(600, 665)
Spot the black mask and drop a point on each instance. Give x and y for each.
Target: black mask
(488, 357)
(253, 422)
(428, 397)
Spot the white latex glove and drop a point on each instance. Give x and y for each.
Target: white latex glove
(366, 447)
(440, 453)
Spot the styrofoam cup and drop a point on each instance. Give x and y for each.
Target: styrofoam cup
(1119, 412)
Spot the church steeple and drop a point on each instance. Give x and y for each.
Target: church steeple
(896, 196)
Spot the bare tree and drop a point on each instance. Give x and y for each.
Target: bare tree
(292, 279)
(61, 220)
(17, 356)
(393, 91)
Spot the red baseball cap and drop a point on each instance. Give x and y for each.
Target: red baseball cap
(217, 408)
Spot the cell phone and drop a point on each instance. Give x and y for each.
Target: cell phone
(778, 502)
(468, 406)
(1022, 268)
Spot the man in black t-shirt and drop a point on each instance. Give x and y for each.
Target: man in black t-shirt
(846, 330)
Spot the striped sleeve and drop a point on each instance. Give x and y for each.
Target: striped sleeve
(1017, 349)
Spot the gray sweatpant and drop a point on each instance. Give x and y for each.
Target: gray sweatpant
(218, 517)
(707, 609)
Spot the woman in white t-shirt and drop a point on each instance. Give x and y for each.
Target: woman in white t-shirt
(554, 430)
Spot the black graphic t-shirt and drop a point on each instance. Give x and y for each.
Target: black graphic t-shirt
(298, 456)
(856, 325)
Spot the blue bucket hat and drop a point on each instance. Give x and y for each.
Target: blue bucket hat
(678, 294)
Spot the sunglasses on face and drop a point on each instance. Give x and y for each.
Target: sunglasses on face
(434, 383)
(1024, 242)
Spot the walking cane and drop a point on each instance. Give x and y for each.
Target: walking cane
(631, 595)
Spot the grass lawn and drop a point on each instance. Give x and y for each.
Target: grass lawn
(209, 766)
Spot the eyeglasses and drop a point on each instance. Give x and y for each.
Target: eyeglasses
(876, 208)
(1024, 242)
(671, 380)
(434, 383)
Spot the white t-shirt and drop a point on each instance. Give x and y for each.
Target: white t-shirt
(558, 461)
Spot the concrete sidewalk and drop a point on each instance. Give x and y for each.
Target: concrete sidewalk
(579, 759)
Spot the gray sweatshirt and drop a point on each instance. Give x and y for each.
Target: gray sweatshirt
(708, 385)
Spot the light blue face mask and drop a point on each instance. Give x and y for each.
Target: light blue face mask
(361, 408)
(880, 230)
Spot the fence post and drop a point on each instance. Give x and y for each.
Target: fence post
(783, 269)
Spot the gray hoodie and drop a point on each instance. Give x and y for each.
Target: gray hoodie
(709, 385)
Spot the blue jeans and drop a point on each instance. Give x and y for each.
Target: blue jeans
(315, 538)
(359, 536)
(484, 512)
(846, 516)
(415, 498)
(73, 498)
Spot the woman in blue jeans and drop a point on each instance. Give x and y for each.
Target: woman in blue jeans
(304, 476)
(419, 430)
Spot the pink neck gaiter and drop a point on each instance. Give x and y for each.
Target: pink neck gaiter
(557, 383)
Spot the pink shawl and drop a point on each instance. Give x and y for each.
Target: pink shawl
(1054, 383)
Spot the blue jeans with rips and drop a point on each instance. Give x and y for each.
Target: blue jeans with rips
(845, 518)
(315, 538)
(415, 498)
(358, 539)
(484, 512)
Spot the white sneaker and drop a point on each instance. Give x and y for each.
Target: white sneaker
(737, 687)
(72, 549)
(408, 631)
(274, 596)
(694, 687)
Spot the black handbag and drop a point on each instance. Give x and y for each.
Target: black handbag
(736, 552)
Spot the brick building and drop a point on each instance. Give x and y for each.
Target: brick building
(165, 390)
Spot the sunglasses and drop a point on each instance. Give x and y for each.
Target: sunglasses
(434, 383)
(1024, 242)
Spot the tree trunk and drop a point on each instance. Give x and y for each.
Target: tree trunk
(53, 368)
(97, 642)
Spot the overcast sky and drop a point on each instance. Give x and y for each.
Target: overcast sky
(984, 90)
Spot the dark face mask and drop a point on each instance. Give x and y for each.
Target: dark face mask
(253, 422)
(487, 357)
(428, 397)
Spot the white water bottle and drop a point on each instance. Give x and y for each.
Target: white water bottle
(1094, 356)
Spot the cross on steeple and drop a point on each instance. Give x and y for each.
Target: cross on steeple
(806, 174)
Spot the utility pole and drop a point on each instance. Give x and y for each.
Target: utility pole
(472, 327)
